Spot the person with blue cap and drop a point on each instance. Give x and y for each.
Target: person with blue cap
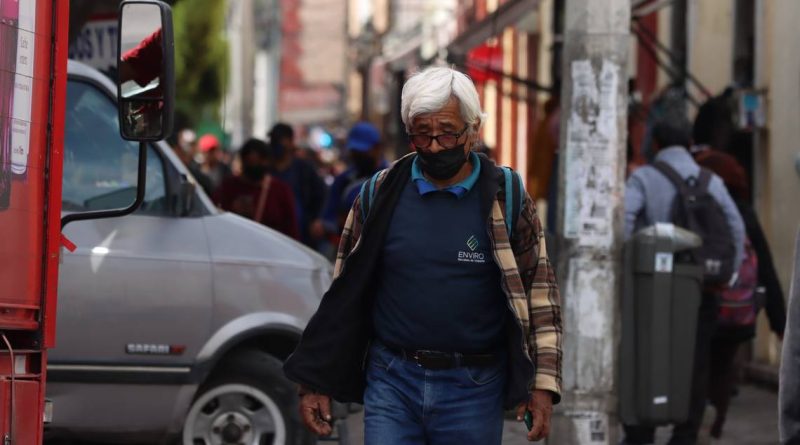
(365, 156)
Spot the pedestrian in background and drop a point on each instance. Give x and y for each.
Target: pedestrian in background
(757, 281)
(650, 195)
(308, 187)
(789, 393)
(184, 144)
(365, 157)
(257, 195)
(544, 149)
(448, 311)
(211, 164)
(543, 156)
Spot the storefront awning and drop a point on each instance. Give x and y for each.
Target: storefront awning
(507, 14)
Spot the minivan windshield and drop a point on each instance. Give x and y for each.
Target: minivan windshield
(99, 166)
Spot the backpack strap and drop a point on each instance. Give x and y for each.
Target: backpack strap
(704, 180)
(367, 194)
(673, 176)
(514, 198)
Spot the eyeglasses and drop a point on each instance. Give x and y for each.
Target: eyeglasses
(446, 140)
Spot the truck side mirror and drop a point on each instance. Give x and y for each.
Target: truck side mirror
(145, 70)
(145, 88)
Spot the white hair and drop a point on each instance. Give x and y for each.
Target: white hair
(429, 91)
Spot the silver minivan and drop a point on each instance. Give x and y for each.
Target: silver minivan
(172, 322)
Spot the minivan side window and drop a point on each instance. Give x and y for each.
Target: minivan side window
(99, 166)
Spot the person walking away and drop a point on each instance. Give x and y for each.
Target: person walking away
(365, 158)
(257, 195)
(757, 282)
(443, 291)
(789, 392)
(308, 187)
(650, 197)
(212, 166)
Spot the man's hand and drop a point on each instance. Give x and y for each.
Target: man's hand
(540, 405)
(315, 410)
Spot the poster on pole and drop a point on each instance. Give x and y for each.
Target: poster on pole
(591, 153)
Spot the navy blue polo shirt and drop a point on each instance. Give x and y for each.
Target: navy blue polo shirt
(439, 286)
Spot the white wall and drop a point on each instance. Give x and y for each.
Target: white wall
(710, 43)
(782, 181)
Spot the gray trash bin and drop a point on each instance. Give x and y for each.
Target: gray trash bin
(661, 296)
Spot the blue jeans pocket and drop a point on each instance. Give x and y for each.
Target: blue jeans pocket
(381, 357)
(484, 375)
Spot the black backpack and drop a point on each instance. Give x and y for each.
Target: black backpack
(695, 209)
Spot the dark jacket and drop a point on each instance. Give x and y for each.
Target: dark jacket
(331, 356)
(309, 191)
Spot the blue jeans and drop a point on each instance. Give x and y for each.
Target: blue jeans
(405, 404)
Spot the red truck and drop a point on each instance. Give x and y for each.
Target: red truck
(33, 84)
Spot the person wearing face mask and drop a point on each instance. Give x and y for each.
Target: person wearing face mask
(258, 196)
(308, 187)
(444, 310)
(365, 157)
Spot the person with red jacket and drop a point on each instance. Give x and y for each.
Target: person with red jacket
(257, 195)
(712, 133)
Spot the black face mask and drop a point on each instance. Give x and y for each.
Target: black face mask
(442, 164)
(254, 172)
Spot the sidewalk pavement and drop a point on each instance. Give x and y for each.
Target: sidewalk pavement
(752, 420)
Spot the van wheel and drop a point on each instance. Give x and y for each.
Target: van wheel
(247, 401)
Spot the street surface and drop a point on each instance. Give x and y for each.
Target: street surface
(752, 420)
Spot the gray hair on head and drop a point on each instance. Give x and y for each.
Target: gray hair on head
(429, 91)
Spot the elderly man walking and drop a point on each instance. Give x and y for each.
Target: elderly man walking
(444, 310)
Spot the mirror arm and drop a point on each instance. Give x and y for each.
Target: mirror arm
(186, 195)
(113, 213)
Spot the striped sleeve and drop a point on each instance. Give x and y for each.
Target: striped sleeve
(353, 225)
(544, 300)
(350, 236)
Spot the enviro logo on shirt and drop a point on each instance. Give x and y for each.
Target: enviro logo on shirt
(471, 256)
(472, 243)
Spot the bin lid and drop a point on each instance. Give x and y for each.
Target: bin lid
(678, 237)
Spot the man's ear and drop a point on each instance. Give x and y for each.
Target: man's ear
(474, 134)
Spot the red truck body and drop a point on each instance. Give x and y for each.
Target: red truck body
(33, 80)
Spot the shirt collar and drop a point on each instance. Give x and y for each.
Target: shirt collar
(673, 153)
(462, 188)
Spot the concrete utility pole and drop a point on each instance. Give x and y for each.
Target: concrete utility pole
(238, 112)
(592, 167)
